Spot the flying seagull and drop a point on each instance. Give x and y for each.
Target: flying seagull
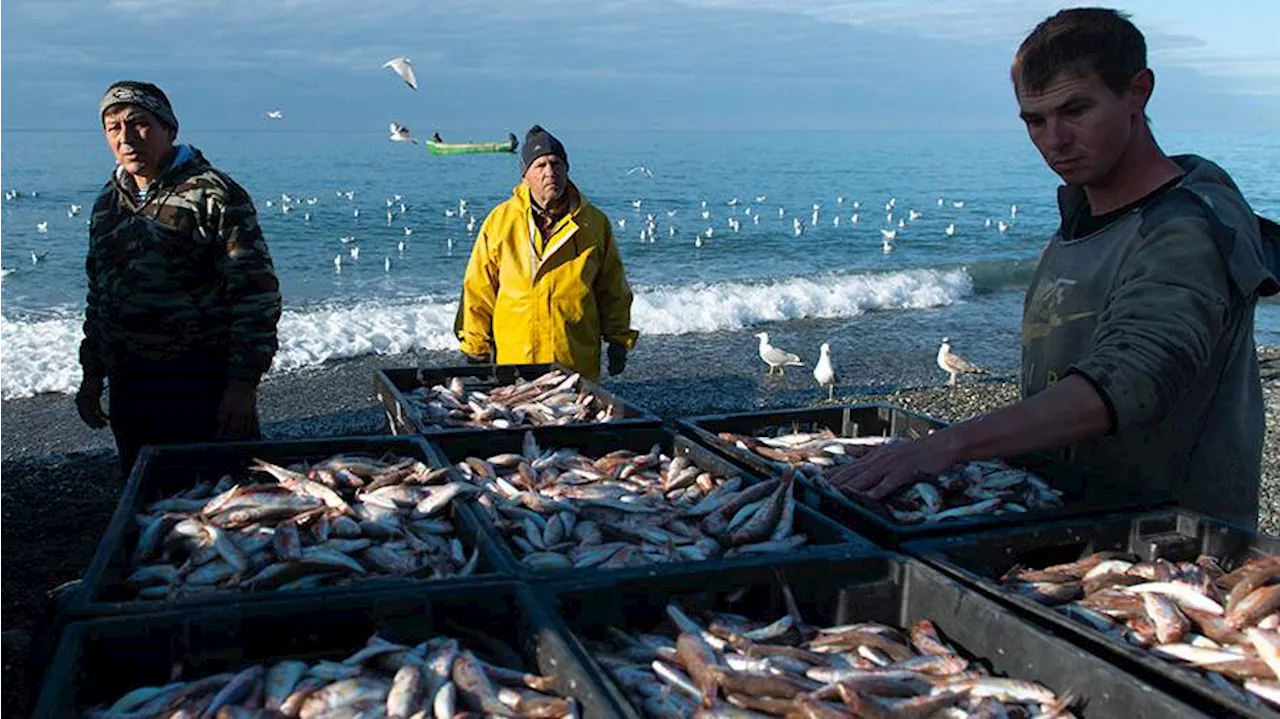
(404, 70)
(954, 364)
(400, 133)
(641, 169)
(274, 115)
(824, 372)
(776, 358)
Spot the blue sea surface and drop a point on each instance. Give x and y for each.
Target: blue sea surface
(692, 273)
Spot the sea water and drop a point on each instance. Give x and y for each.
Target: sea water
(691, 274)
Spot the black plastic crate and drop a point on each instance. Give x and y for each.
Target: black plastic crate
(164, 470)
(391, 385)
(825, 536)
(885, 587)
(99, 660)
(1082, 494)
(1177, 535)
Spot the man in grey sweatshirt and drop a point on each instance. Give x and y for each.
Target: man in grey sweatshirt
(1138, 360)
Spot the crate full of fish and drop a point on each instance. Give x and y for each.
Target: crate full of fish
(444, 400)
(817, 443)
(226, 522)
(489, 648)
(561, 501)
(875, 636)
(1191, 602)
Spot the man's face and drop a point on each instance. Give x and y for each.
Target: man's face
(547, 178)
(1079, 125)
(138, 139)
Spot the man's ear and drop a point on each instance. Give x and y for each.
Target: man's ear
(1141, 85)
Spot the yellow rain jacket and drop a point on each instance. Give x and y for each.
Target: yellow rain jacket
(546, 299)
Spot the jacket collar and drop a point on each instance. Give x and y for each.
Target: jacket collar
(183, 156)
(1197, 170)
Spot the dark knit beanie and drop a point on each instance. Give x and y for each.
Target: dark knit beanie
(142, 94)
(539, 142)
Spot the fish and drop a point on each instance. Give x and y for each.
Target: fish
(1193, 614)
(715, 671)
(621, 509)
(280, 528)
(814, 453)
(555, 398)
(380, 679)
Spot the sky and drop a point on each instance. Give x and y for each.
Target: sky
(721, 65)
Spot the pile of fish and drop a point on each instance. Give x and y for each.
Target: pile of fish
(436, 678)
(559, 509)
(552, 399)
(1222, 624)
(342, 519)
(727, 663)
(988, 487)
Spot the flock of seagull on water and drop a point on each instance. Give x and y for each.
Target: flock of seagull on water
(894, 222)
(825, 373)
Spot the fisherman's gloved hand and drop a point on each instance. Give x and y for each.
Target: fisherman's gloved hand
(89, 402)
(475, 359)
(617, 359)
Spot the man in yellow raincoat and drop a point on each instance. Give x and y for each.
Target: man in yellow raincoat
(545, 281)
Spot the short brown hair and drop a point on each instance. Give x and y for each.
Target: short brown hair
(1081, 40)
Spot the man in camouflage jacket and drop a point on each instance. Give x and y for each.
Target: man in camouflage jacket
(183, 300)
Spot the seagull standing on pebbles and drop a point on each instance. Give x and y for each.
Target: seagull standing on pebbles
(776, 358)
(824, 372)
(953, 364)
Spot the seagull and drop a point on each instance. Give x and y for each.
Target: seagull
(854, 219)
(987, 223)
(824, 372)
(640, 169)
(913, 215)
(408, 231)
(400, 246)
(337, 263)
(74, 210)
(951, 230)
(404, 70)
(1002, 226)
(889, 235)
(42, 227)
(274, 115)
(697, 241)
(954, 364)
(958, 204)
(1013, 212)
(355, 252)
(386, 264)
(761, 198)
(732, 202)
(798, 226)
(347, 240)
(774, 357)
(37, 258)
(449, 243)
(400, 133)
(622, 223)
(636, 204)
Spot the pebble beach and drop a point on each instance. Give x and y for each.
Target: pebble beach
(61, 482)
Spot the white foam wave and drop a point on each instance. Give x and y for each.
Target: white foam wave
(42, 355)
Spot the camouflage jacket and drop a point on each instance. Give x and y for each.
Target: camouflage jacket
(183, 274)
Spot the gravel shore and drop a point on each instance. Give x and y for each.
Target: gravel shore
(60, 479)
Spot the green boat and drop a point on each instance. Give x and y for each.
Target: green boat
(466, 148)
